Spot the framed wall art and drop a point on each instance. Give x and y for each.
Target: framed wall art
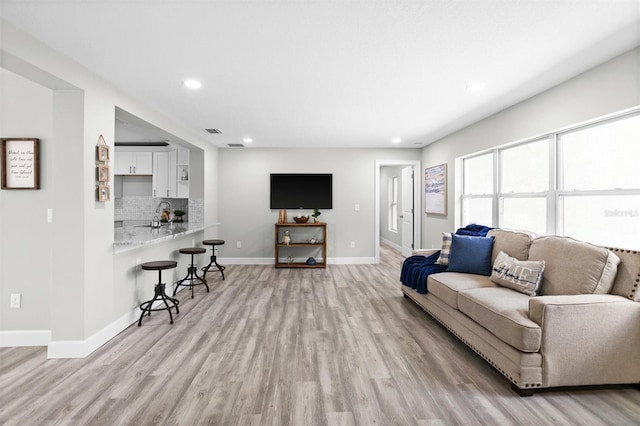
(435, 190)
(103, 192)
(20, 163)
(102, 150)
(103, 173)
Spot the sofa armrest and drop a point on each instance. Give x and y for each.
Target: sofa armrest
(424, 252)
(588, 339)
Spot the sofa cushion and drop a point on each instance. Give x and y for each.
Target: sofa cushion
(446, 285)
(524, 276)
(443, 259)
(470, 255)
(505, 313)
(574, 267)
(514, 243)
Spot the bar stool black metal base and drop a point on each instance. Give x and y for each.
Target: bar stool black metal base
(192, 273)
(169, 303)
(214, 262)
(159, 290)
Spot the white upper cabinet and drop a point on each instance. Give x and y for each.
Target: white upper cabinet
(133, 163)
(164, 174)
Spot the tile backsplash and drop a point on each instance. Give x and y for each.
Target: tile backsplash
(144, 208)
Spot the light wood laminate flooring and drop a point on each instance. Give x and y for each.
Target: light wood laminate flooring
(334, 346)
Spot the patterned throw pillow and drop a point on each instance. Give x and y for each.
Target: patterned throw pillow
(524, 276)
(443, 259)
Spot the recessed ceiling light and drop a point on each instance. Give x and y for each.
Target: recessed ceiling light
(476, 87)
(192, 84)
(396, 140)
(247, 140)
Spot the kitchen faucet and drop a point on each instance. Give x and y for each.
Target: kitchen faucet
(160, 204)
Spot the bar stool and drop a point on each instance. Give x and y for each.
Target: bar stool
(192, 272)
(169, 302)
(213, 243)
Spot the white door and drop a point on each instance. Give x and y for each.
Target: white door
(406, 211)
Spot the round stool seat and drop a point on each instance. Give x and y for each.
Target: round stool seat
(213, 242)
(159, 265)
(193, 250)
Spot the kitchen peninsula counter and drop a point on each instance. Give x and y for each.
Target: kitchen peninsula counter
(132, 234)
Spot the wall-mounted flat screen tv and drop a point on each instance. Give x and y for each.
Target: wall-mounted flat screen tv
(301, 191)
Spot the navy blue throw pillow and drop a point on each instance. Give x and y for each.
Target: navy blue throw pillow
(471, 255)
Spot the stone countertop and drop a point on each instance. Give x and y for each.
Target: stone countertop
(131, 234)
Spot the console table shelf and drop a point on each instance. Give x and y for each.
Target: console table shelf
(300, 234)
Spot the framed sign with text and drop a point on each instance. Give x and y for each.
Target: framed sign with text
(20, 163)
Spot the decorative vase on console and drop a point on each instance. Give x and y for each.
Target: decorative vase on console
(286, 238)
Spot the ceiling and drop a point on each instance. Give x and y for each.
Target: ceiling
(296, 73)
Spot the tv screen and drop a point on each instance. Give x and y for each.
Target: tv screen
(301, 191)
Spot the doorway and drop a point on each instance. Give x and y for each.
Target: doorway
(408, 226)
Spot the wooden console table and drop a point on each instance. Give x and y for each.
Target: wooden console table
(301, 234)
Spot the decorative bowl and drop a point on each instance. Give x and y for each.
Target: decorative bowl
(301, 219)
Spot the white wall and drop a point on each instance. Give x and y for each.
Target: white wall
(609, 88)
(26, 110)
(82, 288)
(244, 198)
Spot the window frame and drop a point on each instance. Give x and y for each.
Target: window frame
(393, 204)
(554, 194)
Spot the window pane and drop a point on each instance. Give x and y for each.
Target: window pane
(393, 204)
(611, 220)
(478, 175)
(603, 156)
(478, 211)
(527, 214)
(525, 168)
(394, 218)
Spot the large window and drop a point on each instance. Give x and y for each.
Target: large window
(584, 183)
(599, 183)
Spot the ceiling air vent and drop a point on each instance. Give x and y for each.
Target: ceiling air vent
(214, 131)
(235, 145)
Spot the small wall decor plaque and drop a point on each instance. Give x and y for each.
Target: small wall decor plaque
(20, 163)
(103, 192)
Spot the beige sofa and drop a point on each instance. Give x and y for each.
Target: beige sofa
(583, 328)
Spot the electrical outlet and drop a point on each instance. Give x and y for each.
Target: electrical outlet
(50, 215)
(353, 244)
(238, 244)
(15, 300)
(357, 207)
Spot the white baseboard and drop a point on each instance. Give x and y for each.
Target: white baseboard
(245, 260)
(9, 339)
(391, 244)
(82, 348)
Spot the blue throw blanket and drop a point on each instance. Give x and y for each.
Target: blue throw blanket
(474, 230)
(416, 269)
